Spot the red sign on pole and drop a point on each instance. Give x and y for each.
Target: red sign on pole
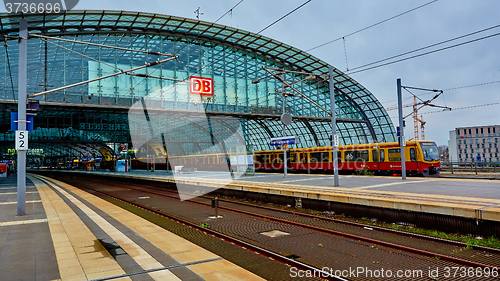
(201, 86)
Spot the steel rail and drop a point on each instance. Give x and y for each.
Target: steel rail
(383, 229)
(379, 242)
(224, 237)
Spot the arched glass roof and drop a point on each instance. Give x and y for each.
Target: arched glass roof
(234, 57)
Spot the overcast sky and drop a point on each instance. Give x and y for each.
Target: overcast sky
(321, 21)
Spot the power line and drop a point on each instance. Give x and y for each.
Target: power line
(230, 11)
(469, 86)
(466, 107)
(450, 89)
(371, 26)
(423, 48)
(286, 16)
(427, 53)
(216, 59)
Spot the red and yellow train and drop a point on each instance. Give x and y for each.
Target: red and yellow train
(422, 158)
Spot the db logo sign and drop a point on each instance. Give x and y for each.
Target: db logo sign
(201, 86)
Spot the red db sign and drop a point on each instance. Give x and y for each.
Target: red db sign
(201, 86)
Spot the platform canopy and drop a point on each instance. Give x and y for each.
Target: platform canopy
(233, 58)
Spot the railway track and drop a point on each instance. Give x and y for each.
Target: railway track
(357, 242)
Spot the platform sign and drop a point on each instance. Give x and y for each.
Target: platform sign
(21, 140)
(336, 140)
(201, 86)
(13, 122)
(285, 140)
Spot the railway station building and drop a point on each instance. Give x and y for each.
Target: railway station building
(81, 121)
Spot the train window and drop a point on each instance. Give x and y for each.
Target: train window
(356, 155)
(394, 154)
(280, 156)
(314, 157)
(294, 157)
(323, 157)
(375, 155)
(223, 160)
(263, 159)
(199, 161)
(413, 157)
(349, 156)
(382, 155)
(304, 157)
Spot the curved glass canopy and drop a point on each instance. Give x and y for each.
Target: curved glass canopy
(233, 58)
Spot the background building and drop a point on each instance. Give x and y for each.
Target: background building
(469, 144)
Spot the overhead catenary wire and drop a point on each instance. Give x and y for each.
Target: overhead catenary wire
(450, 89)
(10, 71)
(460, 108)
(426, 47)
(216, 59)
(81, 54)
(286, 16)
(398, 15)
(229, 11)
(178, 52)
(423, 54)
(455, 109)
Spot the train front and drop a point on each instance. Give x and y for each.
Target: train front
(430, 161)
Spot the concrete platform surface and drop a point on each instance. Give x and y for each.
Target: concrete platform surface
(470, 198)
(68, 234)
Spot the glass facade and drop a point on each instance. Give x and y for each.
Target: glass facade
(231, 57)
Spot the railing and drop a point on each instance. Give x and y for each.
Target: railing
(470, 167)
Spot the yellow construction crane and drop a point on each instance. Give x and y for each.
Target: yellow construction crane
(416, 106)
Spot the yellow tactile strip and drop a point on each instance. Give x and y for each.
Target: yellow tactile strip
(176, 247)
(138, 254)
(22, 222)
(79, 254)
(27, 202)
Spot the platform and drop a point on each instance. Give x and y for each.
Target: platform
(469, 198)
(69, 234)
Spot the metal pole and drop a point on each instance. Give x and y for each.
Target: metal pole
(216, 207)
(334, 130)
(401, 131)
(21, 108)
(285, 168)
(290, 86)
